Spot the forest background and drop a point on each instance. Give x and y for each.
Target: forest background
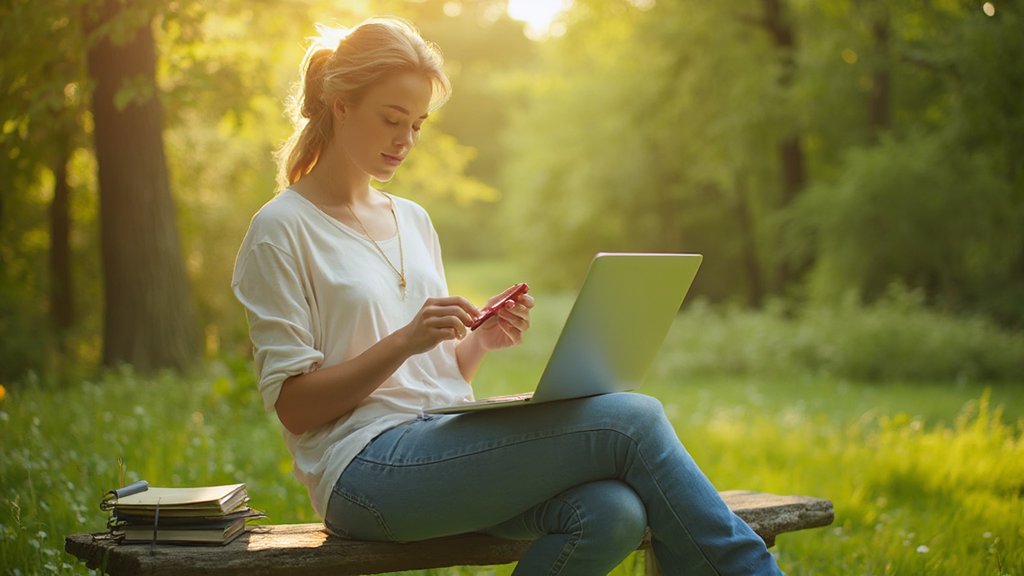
(852, 171)
(812, 151)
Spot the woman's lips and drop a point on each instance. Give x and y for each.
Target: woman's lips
(392, 160)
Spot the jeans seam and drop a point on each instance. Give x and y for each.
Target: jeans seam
(661, 492)
(567, 550)
(491, 448)
(369, 508)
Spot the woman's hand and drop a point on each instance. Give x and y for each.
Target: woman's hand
(507, 326)
(438, 320)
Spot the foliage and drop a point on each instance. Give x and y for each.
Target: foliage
(56, 468)
(680, 123)
(19, 314)
(646, 126)
(896, 338)
(223, 73)
(921, 213)
(903, 116)
(40, 90)
(41, 104)
(910, 498)
(633, 148)
(938, 202)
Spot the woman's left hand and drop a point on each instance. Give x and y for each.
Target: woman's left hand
(507, 326)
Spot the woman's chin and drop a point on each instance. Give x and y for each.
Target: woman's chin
(383, 175)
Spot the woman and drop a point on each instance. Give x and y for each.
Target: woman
(355, 336)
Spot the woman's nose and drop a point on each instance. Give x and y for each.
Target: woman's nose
(405, 138)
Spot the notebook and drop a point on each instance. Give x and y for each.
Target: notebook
(178, 515)
(198, 500)
(219, 533)
(620, 318)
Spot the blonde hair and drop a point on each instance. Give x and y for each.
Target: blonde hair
(343, 64)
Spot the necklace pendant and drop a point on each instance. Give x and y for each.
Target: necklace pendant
(401, 286)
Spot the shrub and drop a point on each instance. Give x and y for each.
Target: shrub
(895, 338)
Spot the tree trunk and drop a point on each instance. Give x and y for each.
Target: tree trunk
(745, 219)
(149, 318)
(61, 309)
(791, 157)
(878, 99)
(790, 152)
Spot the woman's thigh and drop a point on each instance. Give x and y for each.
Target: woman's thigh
(450, 474)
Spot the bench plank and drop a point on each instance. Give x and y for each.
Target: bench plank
(307, 549)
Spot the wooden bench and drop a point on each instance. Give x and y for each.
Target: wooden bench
(307, 549)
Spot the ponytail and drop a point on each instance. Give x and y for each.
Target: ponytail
(312, 118)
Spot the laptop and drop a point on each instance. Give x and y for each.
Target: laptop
(623, 311)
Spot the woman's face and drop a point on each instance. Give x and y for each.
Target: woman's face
(379, 131)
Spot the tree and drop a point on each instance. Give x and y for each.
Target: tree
(926, 189)
(646, 129)
(149, 319)
(776, 21)
(41, 71)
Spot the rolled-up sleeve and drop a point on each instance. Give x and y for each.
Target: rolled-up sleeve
(268, 283)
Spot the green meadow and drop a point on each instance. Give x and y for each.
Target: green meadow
(927, 477)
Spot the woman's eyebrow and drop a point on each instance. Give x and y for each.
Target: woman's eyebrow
(404, 111)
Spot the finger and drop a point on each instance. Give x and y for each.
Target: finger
(459, 301)
(517, 319)
(517, 308)
(512, 334)
(487, 323)
(450, 310)
(466, 305)
(449, 323)
(503, 294)
(526, 300)
(437, 335)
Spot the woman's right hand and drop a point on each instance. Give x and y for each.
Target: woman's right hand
(438, 320)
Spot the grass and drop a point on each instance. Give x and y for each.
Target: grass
(927, 476)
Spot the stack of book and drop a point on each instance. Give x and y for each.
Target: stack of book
(199, 515)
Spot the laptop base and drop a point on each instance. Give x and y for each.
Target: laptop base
(485, 404)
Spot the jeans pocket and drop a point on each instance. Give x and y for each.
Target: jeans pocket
(350, 517)
(382, 449)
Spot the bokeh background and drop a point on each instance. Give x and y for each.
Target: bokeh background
(852, 171)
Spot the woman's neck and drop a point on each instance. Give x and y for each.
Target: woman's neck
(334, 182)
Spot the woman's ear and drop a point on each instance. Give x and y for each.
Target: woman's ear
(339, 109)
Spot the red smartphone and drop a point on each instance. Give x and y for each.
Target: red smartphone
(491, 310)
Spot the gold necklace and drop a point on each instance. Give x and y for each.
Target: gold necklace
(401, 253)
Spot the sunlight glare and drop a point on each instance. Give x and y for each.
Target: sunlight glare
(538, 16)
(989, 9)
(452, 9)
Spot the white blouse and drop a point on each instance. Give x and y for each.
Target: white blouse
(317, 293)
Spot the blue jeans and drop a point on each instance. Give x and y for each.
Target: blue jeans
(581, 478)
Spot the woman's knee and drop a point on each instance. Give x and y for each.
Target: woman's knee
(625, 404)
(629, 409)
(640, 405)
(610, 510)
